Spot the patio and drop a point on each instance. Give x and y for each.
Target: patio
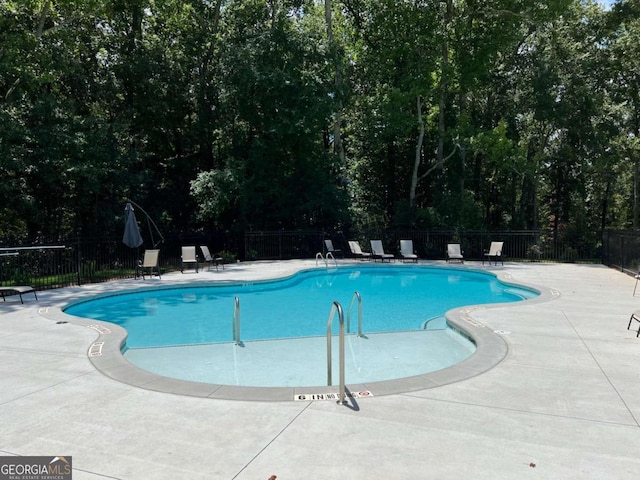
(562, 404)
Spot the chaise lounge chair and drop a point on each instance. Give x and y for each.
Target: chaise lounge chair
(208, 258)
(357, 252)
(407, 252)
(377, 251)
(495, 252)
(17, 290)
(635, 316)
(336, 252)
(454, 252)
(188, 257)
(150, 262)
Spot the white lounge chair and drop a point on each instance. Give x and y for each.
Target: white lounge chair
(357, 252)
(454, 252)
(407, 252)
(17, 290)
(150, 262)
(210, 259)
(188, 257)
(377, 251)
(495, 252)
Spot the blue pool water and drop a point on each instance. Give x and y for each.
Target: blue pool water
(186, 333)
(393, 299)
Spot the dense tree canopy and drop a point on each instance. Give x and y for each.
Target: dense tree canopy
(294, 114)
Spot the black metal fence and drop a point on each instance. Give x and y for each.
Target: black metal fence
(621, 250)
(78, 261)
(84, 260)
(521, 245)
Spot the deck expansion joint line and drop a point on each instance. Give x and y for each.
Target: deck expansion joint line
(519, 410)
(276, 436)
(626, 405)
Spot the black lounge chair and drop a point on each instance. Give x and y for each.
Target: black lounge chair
(495, 252)
(151, 263)
(17, 290)
(377, 252)
(357, 252)
(336, 252)
(189, 257)
(210, 259)
(407, 252)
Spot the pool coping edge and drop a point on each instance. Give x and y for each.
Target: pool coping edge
(491, 349)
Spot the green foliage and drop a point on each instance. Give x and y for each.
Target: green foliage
(214, 192)
(220, 114)
(228, 257)
(11, 226)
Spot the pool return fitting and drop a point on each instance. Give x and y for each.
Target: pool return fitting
(336, 307)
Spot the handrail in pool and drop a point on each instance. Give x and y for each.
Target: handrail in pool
(325, 259)
(336, 307)
(236, 322)
(356, 295)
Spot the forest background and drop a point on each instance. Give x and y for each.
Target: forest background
(245, 115)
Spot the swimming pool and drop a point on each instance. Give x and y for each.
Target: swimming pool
(186, 332)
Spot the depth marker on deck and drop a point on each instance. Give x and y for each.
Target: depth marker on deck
(96, 349)
(100, 329)
(305, 397)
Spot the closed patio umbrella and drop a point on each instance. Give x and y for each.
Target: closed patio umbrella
(131, 237)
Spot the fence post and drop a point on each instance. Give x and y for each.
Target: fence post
(622, 252)
(79, 261)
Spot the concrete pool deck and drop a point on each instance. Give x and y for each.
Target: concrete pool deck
(563, 402)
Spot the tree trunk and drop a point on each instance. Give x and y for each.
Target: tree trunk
(337, 119)
(443, 83)
(418, 156)
(635, 194)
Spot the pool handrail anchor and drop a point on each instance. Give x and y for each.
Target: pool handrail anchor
(336, 307)
(356, 295)
(236, 322)
(326, 259)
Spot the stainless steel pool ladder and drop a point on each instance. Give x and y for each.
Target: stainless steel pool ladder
(336, 307)
(236, 322)
(355, 296)
(325, 259)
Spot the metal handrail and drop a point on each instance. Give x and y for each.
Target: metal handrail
(356, 295)
(325, 259)
(41, 247)
(336, 307)
(236, 322)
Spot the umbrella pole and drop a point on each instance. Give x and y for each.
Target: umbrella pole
(149, 222)
(151, 232)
